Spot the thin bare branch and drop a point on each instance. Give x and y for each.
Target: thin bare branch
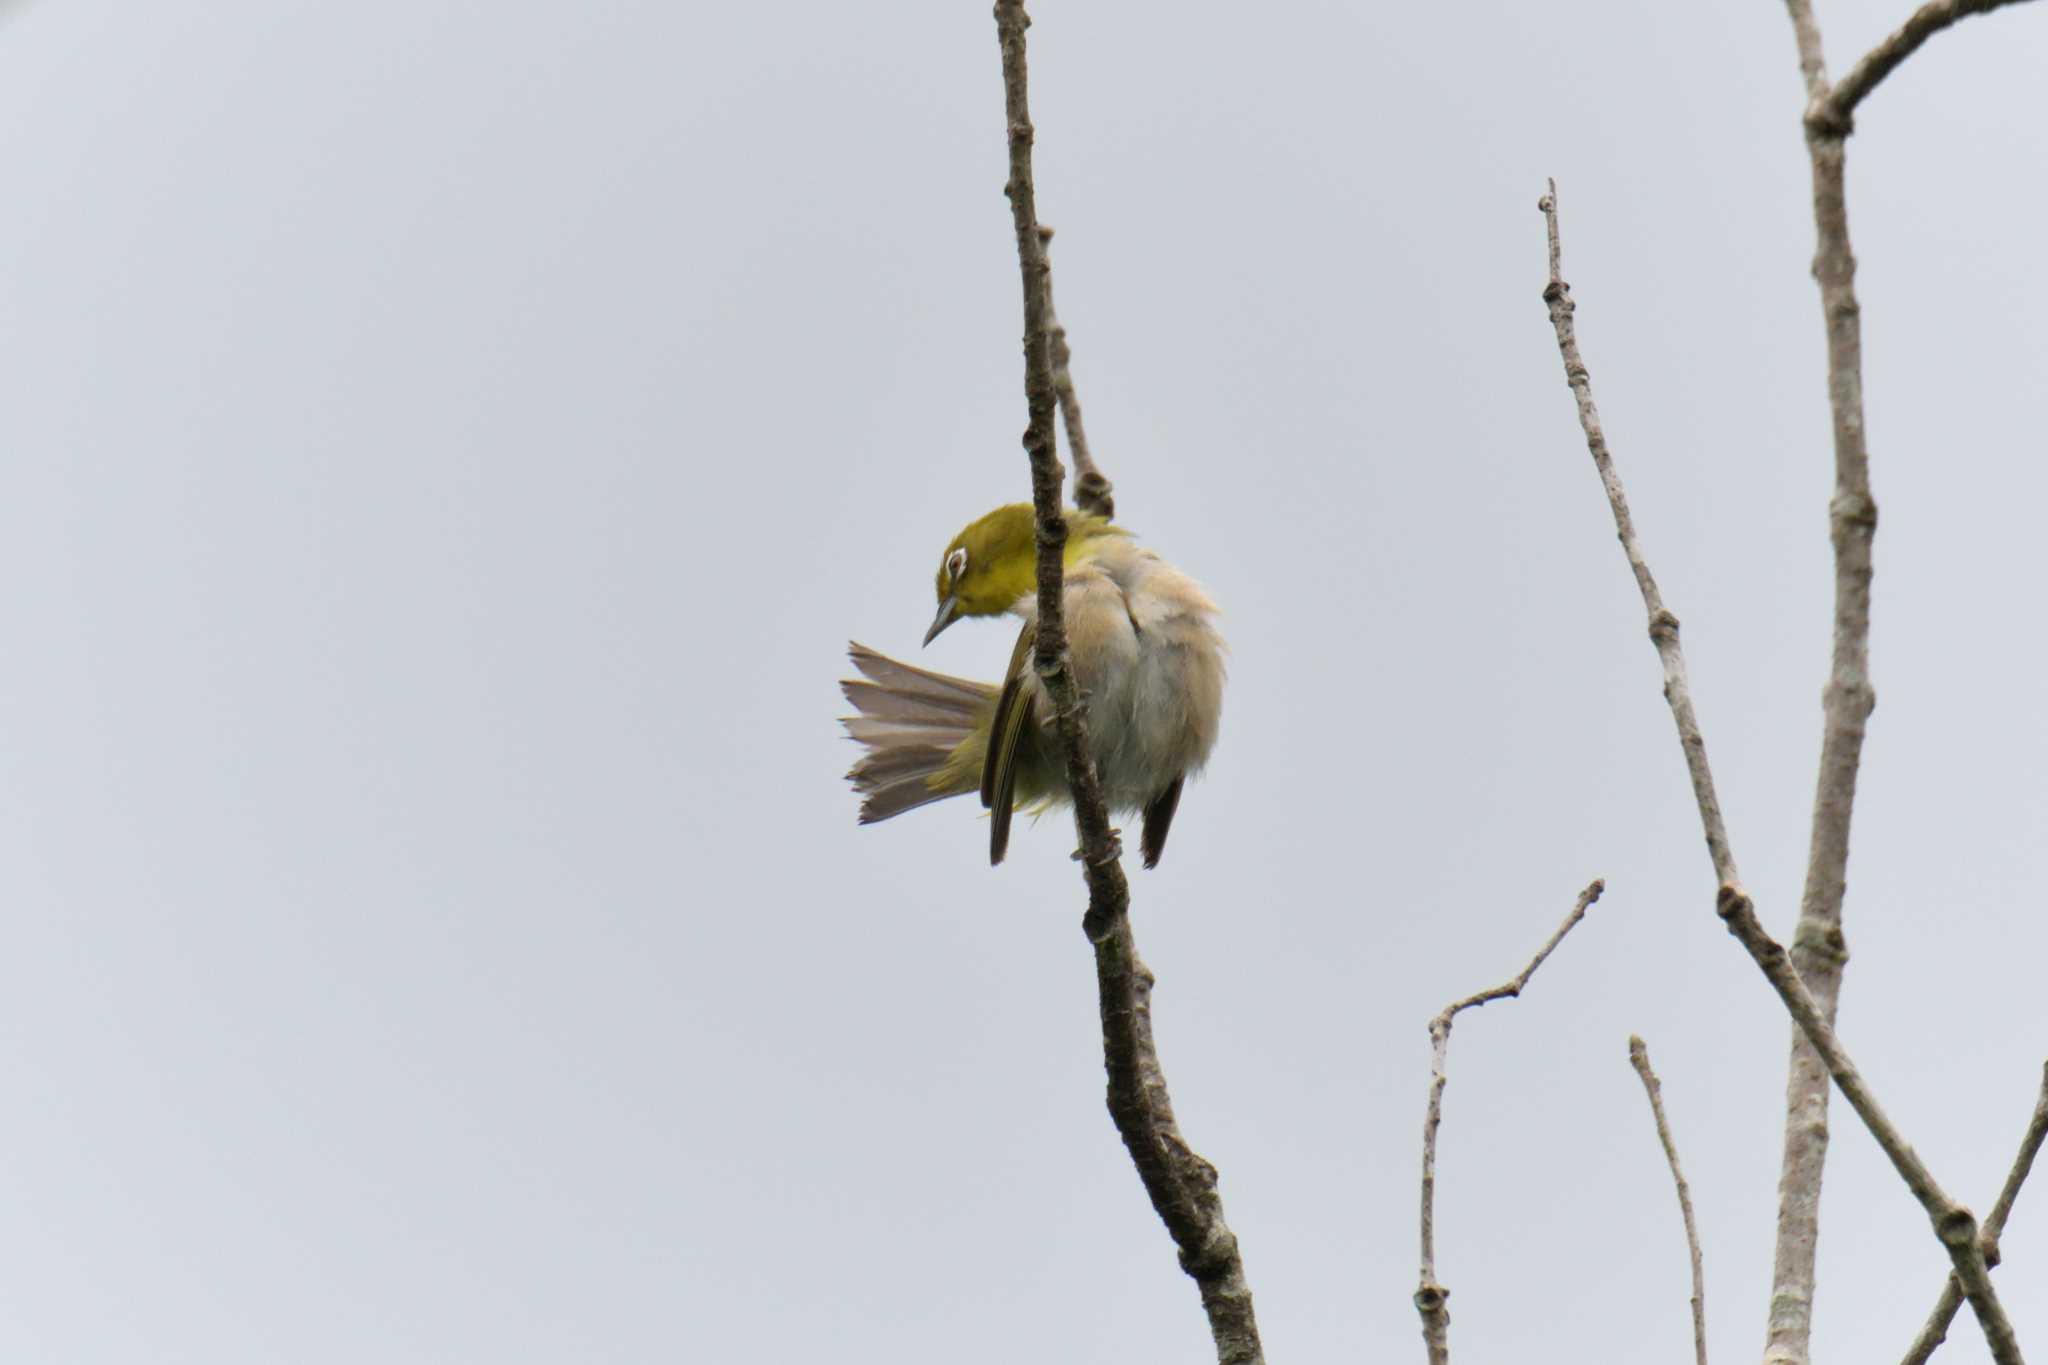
(1663, 623)
(1954, 1225)
(2022, 1165)
(1430, 1296)
(1820, 951)
(1093, 491)
(1180, 1184)
(1639, 1058)
(1813, 67)
(1839, 107)
(1936, 1331)
(1109, 896)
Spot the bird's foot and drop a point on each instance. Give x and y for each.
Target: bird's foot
(1116, 849)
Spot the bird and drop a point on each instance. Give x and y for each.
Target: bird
(1145, 653)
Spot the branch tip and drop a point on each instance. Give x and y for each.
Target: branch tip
(1639, 1058)
(1430, 1295)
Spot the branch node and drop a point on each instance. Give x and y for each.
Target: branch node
(1817, 943)
(1936, 1330)
(1852, 508)
(1957, 1228)
(1731, 902)
(1827, 121)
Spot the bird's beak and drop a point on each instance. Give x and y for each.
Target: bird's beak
(949, 612)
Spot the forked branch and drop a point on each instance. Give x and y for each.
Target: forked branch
(1430, 1296)
(1839, 106)
(1936, 1331)
(1953, 1224)
(1093, 491)
(1820, 950)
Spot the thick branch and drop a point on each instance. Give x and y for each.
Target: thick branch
(1639, 1058)
(1936, 1331)
(1663, 624)
(1181, 1186)
(1093, 491)
(1430, 1296)
(1820, 952)
(1839, 107)
(1819, 949)
(1953, 1224)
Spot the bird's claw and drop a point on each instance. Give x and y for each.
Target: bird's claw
(1116, 849)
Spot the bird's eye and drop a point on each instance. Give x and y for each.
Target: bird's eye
(956, 563)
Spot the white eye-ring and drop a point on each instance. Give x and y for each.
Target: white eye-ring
(956, 563)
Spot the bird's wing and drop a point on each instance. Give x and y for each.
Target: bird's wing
(1158, 817)
(999, 769)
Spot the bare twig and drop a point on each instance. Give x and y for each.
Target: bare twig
(1931, 18)
(1093, 491)
(1639, 1058)
(1663, 623)
(1936, 1331)
(1180, 1184)
(1812, 66)
(1108, 894)
(1430, 1296)
(1820, 952)
(1954, 1225)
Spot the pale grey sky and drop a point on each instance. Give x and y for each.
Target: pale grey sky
(450, 444)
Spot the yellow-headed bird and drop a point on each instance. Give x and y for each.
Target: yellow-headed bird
(1146, 655)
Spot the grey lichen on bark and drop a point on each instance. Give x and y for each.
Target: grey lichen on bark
(1180, 1184)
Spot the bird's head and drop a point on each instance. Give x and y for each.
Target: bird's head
(994, 562)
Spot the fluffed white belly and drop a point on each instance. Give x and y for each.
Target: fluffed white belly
(1148, 657)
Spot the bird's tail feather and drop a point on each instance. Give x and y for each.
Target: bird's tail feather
(920, 730)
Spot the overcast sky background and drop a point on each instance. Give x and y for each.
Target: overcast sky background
(449, 445)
